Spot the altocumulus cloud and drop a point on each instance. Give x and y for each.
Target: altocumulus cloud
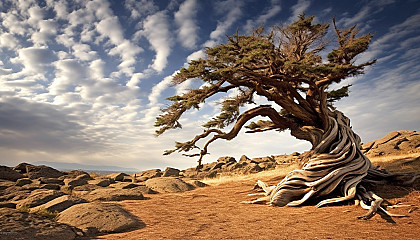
(82, 81)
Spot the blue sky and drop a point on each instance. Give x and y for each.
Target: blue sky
(82, 81)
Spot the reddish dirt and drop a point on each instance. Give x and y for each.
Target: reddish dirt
(215, 212)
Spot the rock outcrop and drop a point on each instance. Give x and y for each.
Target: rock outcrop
(8, 173)
(99, 218)
(393, 143)
(15, 224)
(168, 185)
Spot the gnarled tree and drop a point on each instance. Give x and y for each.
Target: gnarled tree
(285, 67)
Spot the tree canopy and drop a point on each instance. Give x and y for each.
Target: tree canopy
(285, 66)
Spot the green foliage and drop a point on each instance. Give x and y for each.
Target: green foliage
(283, 66)
(338, 94)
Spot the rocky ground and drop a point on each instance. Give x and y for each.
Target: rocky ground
(39, 202)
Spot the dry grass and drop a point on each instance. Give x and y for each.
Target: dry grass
(408, 162)
(276, 173)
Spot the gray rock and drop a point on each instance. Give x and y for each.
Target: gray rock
(114, 194)
(171, 172)
(15, 224)
(23, 181)
(8, 173)
(99, 218)
(39, 197)
(168, 184)
(117, 176)
(35, 172)
(59, 204)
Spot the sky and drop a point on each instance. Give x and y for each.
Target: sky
(82, 81)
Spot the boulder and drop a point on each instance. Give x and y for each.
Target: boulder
(117, 176)
(39, 197)
(23, 181)
(59, 204)
(251, 168)
(74, 173)
(84, 189)
(262, 159)
(196, 183)
(138, 187)
(74, 182)
(124, 185)
(46, 180)
(393, 143)
(128, 179)
(21, 167)
(35, 172)
(8, 173)
(114, 194)
(102, 182)
(244, 159)
(15, 224)
(152, 173)
(99, 218)
(226, 159)
(218, 165)
(267, 165)
(171, 172)
(168, 184)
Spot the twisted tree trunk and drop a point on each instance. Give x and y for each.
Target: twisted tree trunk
(336, 164)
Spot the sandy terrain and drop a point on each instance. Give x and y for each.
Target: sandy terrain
(215, 212)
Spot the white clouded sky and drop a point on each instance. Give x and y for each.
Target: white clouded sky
(82, 81)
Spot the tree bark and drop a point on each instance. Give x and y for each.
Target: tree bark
(335, 163)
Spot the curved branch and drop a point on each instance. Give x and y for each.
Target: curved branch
(266, 111)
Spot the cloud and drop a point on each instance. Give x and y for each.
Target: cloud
(232, 9)
(300, 7)
(13, 23)
(140, 8)
(8, 40)
(367, 11)
(50, 130)
(35, 59)
(156, 30)
(185, 20)
(272, 11)
(68, 75)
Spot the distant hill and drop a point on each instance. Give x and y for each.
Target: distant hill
(89, 168)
